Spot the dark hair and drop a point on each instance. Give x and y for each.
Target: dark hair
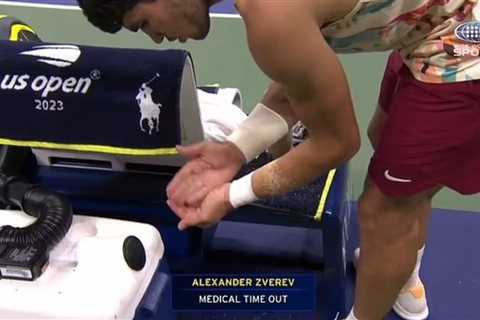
(106, 15)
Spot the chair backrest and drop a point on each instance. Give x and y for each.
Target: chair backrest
(99, 108)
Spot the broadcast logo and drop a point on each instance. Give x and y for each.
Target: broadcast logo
(468, 32)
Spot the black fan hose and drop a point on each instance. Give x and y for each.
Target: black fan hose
(53, 213)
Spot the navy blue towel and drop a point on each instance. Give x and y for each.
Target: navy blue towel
(122, 101)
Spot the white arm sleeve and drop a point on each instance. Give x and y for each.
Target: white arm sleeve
(259, 131)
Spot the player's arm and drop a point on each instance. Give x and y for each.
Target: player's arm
(286, 43)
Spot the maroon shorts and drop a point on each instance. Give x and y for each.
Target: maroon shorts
(431, 138)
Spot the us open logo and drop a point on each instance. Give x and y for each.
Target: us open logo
(60, 56)
(46, 85)
(56, 55)
(468, 32)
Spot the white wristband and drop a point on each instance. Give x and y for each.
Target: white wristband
(259, 131)
(241, 191)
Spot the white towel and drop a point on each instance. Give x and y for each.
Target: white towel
(219, 115)
(232, 95)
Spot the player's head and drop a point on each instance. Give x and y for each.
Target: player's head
(159, 19)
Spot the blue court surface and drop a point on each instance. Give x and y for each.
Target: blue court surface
(451, 265)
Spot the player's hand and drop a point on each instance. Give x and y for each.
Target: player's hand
(211, 165)
(213, 208)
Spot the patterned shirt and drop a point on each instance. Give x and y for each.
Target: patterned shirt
(422, 30)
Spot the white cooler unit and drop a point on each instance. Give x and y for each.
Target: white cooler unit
(91, 272)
